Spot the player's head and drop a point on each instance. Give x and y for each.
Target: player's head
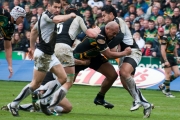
(108, 13)
(18, 14)
(54, 6)
(71, 9)
(111, 29)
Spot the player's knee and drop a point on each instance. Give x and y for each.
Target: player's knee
(35, 84)
(68, 108)
(124, 73)
(112, 76)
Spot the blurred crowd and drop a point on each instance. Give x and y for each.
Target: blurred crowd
(147, 20)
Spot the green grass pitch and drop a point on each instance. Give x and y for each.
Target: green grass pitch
(82, 98)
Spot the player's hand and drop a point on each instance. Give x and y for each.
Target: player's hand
(127, 51)
(10, 71)
(97, 29)
(167, 64)
(30, 53)
(86, 62)
(73, 15)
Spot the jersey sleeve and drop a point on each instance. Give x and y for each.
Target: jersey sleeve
(101, 42)
(164, 40)
(82, 24)
(47, 16)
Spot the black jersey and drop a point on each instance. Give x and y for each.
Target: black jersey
(6, 27)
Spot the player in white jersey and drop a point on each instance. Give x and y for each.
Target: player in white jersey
(66, 34)
(128, 63)
(43, 55)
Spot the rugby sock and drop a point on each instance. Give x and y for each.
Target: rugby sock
(58, 96)
(131, 85)
(144, 102)
(100, 96)
(50, 88)
(167, 84)
(26, 107)
(172, 78)
(22, 95)
(58, 109)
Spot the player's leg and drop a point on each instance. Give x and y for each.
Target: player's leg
(64, 106)
(102, 65)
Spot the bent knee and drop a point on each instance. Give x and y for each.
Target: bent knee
(68, 109)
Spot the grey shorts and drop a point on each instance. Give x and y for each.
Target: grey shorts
(65, 54)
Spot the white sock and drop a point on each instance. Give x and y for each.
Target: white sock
(58, 109)
(50, 88)
(58, 96)
(22, 95)
(132, 89)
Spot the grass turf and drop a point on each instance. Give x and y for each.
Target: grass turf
(82, 98)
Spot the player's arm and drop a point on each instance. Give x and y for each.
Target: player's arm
(8, 52)
(91, 32)
(163, 48)
(33, 36)
(113, 55)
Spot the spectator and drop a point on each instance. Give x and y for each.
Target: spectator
(34, 11)
(140, 14)
(149, 11)
(157, 43)
(14, 3)
(40, 10)
(34, 4)
(99, 21)
(45, 3)
(168, 22)
(87, 15)
(138, 39)
(84, 7)
(176, 16)
(136, 29)
(131, 9)
(22, 3)
(5, 6)
(108, 2)
(142, 4)
(26, 41)
(145, 25)
(160, 21)
(130, 26)
(147, 49)
(97, 3)
(16, 42)
(94, 11)
(168, 11)
(132, 16)
(122, 6)
(28, 13)
(64, 4)
(155, 13)
(20, 30)
(150, 34)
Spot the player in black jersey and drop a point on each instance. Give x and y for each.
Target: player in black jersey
(7, 21)
(128, 63)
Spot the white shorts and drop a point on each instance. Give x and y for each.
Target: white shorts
(136, 55)
(65, 54)
(44, 62)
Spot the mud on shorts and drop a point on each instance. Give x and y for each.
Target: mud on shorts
(65, 54)
(44, 62)
(95, 63)
(134, 59)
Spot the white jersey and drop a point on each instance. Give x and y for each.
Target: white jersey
(128, 39)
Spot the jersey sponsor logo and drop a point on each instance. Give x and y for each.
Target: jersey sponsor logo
(101, 41)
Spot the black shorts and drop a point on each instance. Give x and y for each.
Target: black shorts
(172, 61)
(95, 63)
(132, 62)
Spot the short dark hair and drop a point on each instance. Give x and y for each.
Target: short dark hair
(108, 9)
(51, 2)
(151, 21)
